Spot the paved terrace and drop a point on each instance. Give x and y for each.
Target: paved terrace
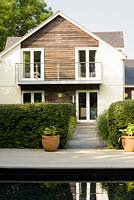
(85, 159)
(67, 158)
(24, 165)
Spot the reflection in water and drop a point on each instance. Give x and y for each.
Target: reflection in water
(67, 191)
(90, 191)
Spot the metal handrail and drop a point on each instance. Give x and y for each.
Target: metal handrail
(59, 71)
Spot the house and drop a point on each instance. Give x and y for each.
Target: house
(60, 61)
(129, 79)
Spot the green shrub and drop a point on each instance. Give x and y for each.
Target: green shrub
(119, 191)
(120, 114)
(72, 125)
(103, 126)
(21, 125)
(35, 191)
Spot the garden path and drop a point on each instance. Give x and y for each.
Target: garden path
(85, 137)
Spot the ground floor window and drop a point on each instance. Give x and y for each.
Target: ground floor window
(32, 96)
(132, 94)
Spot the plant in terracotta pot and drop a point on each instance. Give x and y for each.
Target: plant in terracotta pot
(50, 138)
(127, 138)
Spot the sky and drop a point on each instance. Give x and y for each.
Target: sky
(101, 15)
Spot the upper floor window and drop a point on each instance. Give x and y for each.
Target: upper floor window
(32, 96)
(85, 63)
(33, 63)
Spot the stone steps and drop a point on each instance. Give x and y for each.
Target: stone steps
(85, 137)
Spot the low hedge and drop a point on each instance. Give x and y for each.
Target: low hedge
(21, 125)
(119, 115)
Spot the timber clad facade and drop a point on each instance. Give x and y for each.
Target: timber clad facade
(59, 39)
(60, 61)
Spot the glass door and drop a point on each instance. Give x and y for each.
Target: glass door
(86, 106)
(82, 106)
(82, 64)
(33, 67)
(86, 64)
(93, 105)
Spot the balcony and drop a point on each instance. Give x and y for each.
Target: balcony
(62, 73)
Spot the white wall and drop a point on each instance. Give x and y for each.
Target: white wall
(112, 87)
(101, 194)
(9, 92)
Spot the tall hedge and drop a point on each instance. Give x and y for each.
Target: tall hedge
(119, 115)
(119, 191)
(35, 191)
(102, 126)
(21, 125)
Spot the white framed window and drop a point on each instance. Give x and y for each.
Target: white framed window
(33, 96)
(33, 63)
(132, 94)
(85, 62)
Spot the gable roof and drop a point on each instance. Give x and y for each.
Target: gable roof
(11, 41)
(129, 72)
(114, 38)
(58, 13)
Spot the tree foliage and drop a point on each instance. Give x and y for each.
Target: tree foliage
(17, 17)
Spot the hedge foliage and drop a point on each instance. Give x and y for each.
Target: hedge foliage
(21, 125)
(119, 191)
(119, 115)
(35, 191)
(102, 126)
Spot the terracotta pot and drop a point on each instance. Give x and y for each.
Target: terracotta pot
(50, 143)
(128, 143)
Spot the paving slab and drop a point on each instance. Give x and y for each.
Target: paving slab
(66, 158)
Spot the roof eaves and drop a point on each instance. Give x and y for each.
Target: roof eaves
(70, 20)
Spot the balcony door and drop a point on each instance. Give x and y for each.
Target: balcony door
(86, 106)
(86, 63)
(32, 65)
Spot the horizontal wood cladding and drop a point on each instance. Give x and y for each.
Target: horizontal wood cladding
(63, 97)
(60, 32)
(59, 39)
(52, 91)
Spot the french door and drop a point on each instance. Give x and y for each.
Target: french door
(33, 67)
(86, 105)
(85, 59)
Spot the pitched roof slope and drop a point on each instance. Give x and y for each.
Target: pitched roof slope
(114, 38)
(129, 72)
(11, 41)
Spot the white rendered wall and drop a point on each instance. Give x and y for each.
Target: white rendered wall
(101, 194)
(112, 87)
(9, 91)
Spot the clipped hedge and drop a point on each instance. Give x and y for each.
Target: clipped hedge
(119, 115)
(119, 191)
(21, 125)
(102, 126)
(35, 191)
